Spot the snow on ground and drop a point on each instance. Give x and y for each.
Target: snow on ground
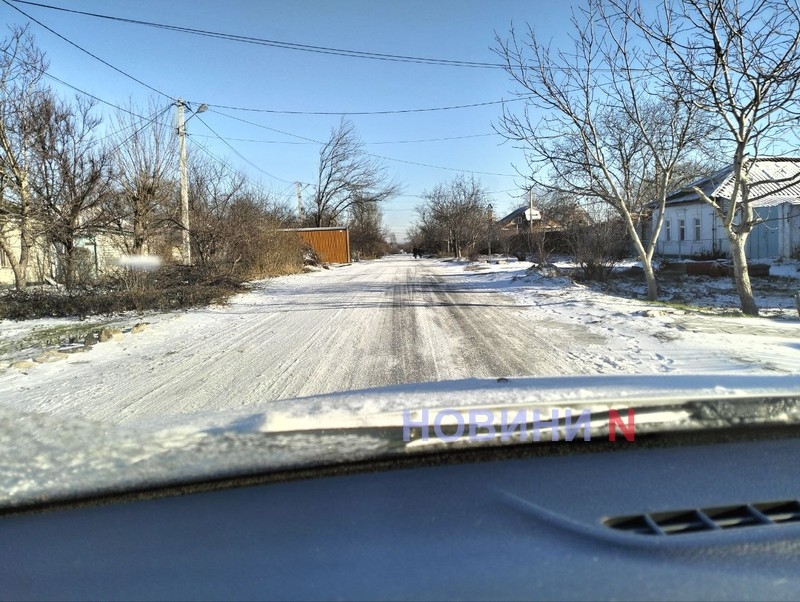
(384, 323)
(701, 331)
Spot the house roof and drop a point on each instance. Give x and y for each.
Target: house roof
(774, 181)
(523, 212)
(513, 215)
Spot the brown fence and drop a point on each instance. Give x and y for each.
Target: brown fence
(331, 244)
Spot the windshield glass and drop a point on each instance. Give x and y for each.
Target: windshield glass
(324, 230)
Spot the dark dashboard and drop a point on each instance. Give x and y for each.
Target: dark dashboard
(662, 518)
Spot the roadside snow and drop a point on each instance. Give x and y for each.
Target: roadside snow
(679, 338)
(384, 323)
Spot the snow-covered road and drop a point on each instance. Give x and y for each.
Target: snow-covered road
(371, 324)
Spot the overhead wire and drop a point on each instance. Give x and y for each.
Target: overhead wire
(482, 173)
(285, 133)
(278, 43)
(223, 140)
(82, 49)
(11, 3)
(238, 154)
(363, 113)
(367, 143)
(248, 109)
(81, 91)
(148, 122)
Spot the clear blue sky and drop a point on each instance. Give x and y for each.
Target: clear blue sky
(203, 69)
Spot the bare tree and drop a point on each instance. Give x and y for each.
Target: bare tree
(458, 210)
(347, 177)
(368, 235)
(145, 158)
(22, 66)
(608, 133)
(592, 232)
(72, 176)
(425, 234)
(213, 188)
(739, 64)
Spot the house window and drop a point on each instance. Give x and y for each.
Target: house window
(697, 228)
(681, 229)
(667, 231)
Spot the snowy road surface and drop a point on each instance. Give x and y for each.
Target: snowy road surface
(391, 321)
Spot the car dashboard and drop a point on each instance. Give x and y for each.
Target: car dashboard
(684, 516)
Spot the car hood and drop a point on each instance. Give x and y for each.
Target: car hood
(50, 458)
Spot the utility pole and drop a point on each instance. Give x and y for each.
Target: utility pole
(489, 230)
(530, 210)
(186, 247)
(299, 203)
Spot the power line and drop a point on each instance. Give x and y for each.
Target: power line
(238, 154)
(433, 139)
(382, 112)
(259, 125)
(230, 107)
(421, 196)
(417, 141)
(482, 173)
(278, 43)
(80, 91)
(148, 121)
(82, 49)
(264, 127)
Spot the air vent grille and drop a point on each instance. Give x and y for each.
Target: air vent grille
(708, 519)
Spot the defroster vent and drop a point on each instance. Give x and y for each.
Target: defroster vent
(708, 519)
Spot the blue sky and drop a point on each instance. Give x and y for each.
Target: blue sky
(203, 69)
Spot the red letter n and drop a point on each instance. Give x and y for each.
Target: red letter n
(615, 421)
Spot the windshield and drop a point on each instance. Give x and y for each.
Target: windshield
(337, 231)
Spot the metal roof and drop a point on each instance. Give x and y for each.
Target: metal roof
(774, 181)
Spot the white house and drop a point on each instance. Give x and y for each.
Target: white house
(691, 227)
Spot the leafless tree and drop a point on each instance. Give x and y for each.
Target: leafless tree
(213, 188)
(22, 67)
(738, 63)
(607, 132)
(257, 246)
(458, 210)
(368, 235)
(72, 176)
(592, 231)
(347, 177)
(236, 225)
(145, 165)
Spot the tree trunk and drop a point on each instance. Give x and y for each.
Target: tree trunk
(652, 283)
(647, 264)
(741, 275)
(19, 268)
(68, 266)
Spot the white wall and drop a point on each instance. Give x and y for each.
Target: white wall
(783, 225)
(691, 242)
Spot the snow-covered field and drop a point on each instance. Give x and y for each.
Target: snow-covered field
(386, 322)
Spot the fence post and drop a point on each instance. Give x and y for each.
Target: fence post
(797, 301)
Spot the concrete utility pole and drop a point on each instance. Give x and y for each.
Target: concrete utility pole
(186, 247)
(299, 203)
(530, 210)
(489, 229)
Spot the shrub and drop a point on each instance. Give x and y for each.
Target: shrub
(172, 287)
